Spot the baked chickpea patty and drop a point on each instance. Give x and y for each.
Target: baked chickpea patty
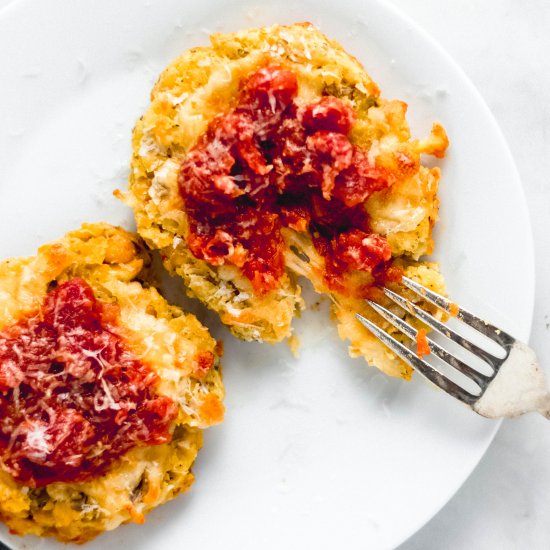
(270, 155)
(104, 387)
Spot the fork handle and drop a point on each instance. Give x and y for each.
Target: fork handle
(519, 387)
(544, 406)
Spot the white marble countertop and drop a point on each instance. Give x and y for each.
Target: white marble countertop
(503, 46)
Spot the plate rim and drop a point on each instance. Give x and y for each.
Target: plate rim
(397, 12)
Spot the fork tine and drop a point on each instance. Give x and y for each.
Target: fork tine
(424, 368)
(432, 322)
(485, 328)
(480, 379)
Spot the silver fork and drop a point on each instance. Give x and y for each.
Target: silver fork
(517, 384)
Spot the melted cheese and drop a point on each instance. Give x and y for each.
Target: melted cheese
(208, 78)
(110, 259)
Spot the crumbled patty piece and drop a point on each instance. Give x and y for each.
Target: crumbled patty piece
(368, 203)
(104, 387)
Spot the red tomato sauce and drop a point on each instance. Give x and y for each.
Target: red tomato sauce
(73, 398)
(274, 162)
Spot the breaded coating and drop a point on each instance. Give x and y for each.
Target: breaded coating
(204, 82)
(173, 344)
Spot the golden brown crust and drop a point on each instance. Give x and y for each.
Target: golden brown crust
(115, 263)
(202, 83)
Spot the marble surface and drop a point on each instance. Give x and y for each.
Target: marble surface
(503, 46)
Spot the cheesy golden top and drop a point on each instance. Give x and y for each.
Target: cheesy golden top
(204, 83)
(115, 264)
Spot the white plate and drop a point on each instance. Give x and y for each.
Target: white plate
(321, 451)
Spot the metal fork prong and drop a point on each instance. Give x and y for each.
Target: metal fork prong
(480, 379)
(424, 368)
(485, 328)
(432, 322)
